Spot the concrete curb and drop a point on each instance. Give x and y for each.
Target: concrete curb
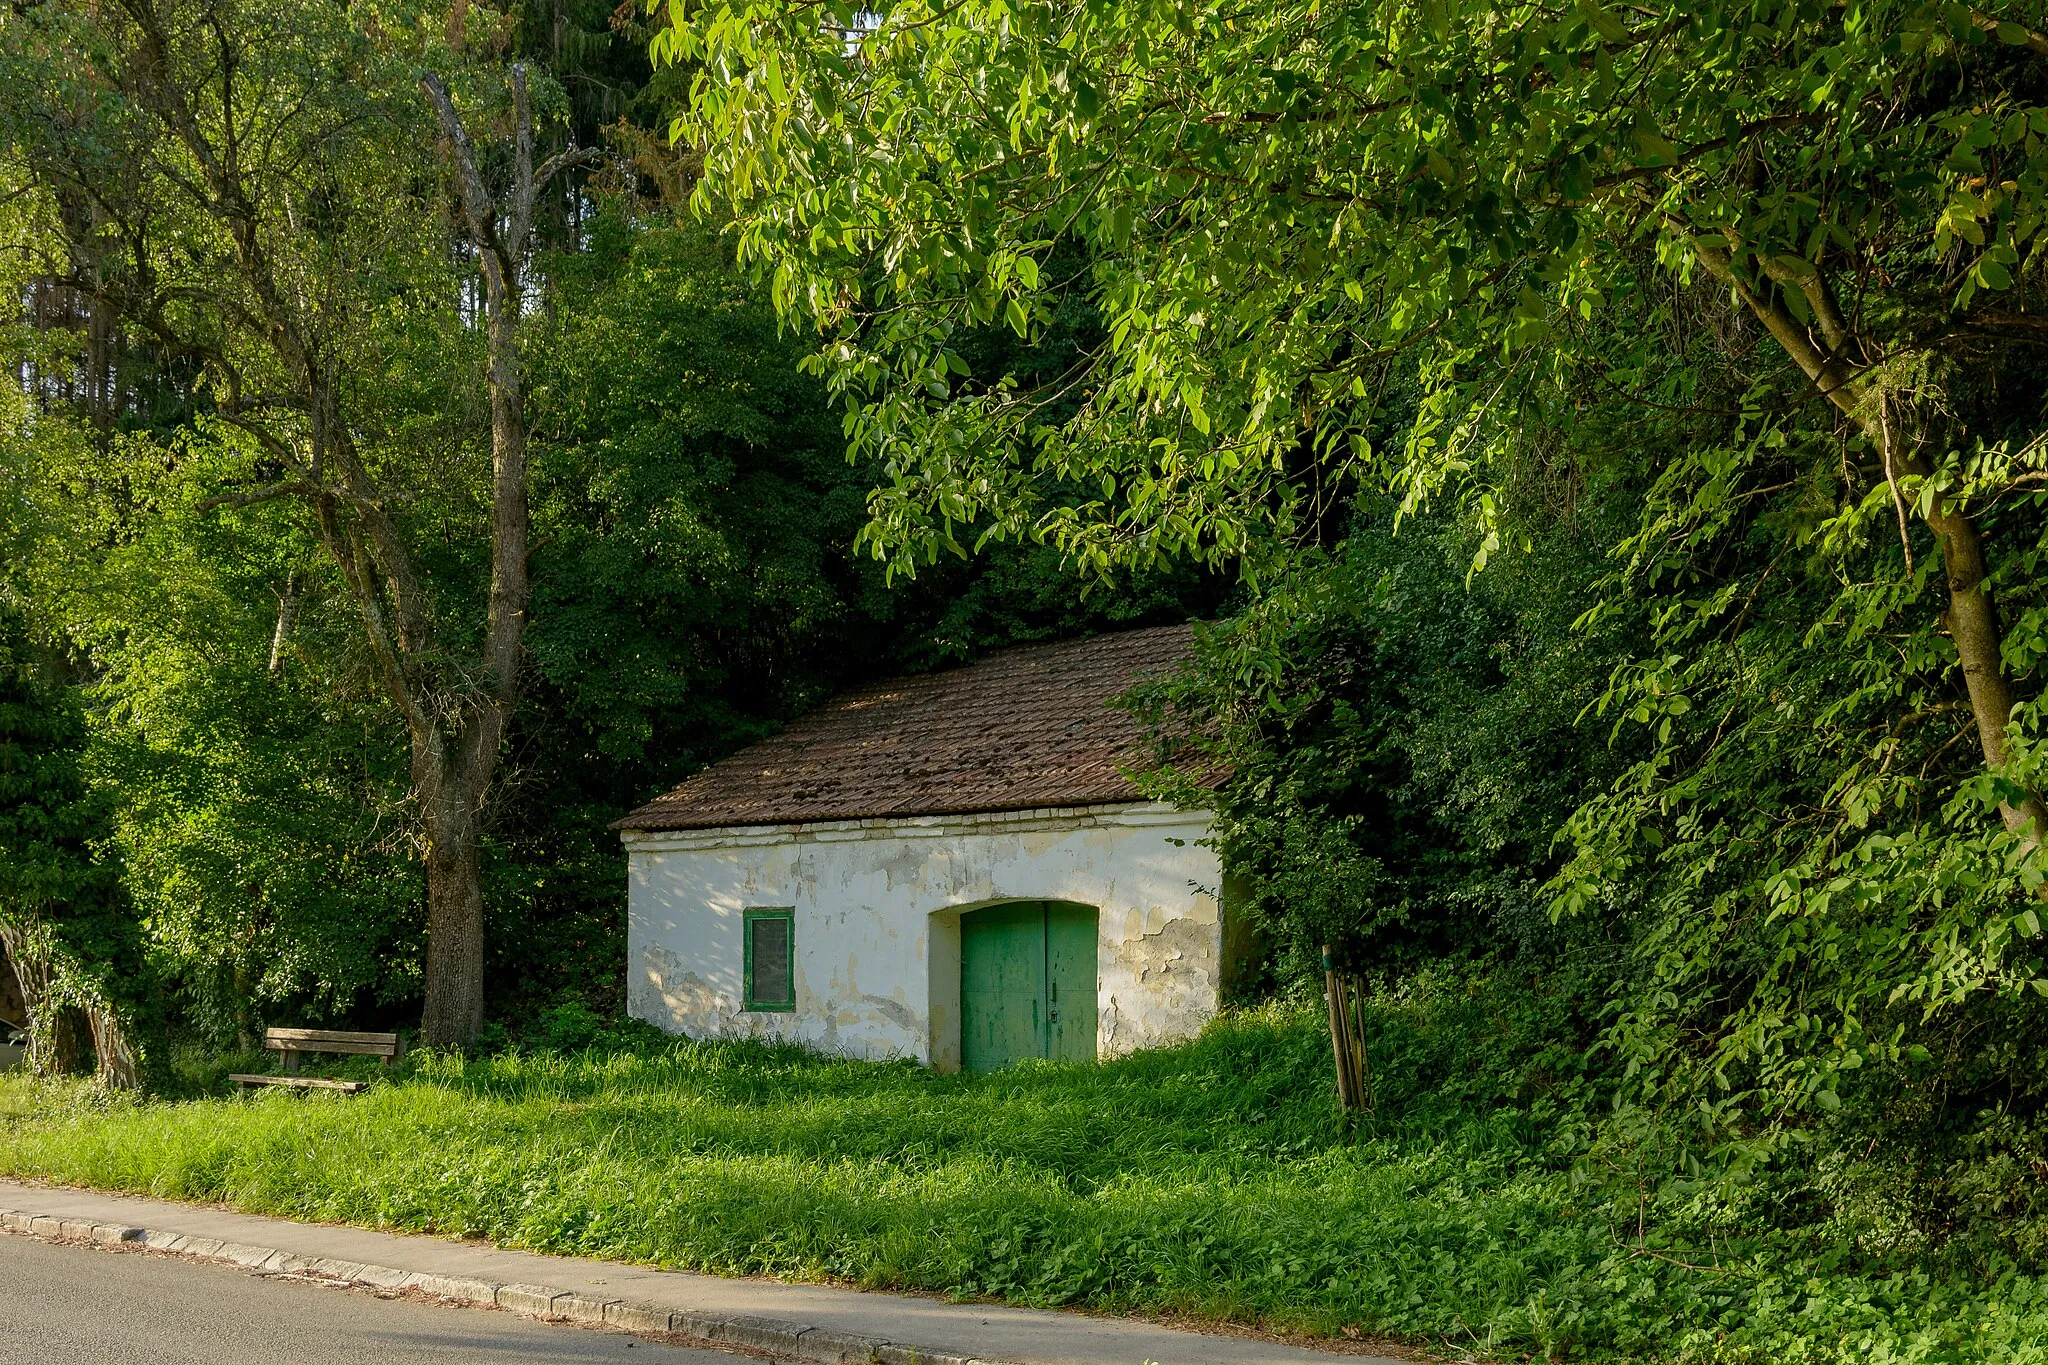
(792, 1340)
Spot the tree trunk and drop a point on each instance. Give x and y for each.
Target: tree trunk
(287, 609)
(457, 780)
(52, 1029)
(13, 1009)
(455, 933)
(1973, 626)
(1972, 615)
(449, 782)
(58, 1054)
(113, 1056)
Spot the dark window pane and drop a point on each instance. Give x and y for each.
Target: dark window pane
(771, 960)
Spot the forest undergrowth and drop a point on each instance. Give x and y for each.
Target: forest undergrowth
(1213, 1180)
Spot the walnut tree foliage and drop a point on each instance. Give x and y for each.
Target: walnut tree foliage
(1763, 277)
(1281, 200)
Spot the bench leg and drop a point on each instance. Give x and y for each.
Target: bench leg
(291, 1063)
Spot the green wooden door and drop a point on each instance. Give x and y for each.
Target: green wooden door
(1002, 985)
(1070, 984)
(1027, 984)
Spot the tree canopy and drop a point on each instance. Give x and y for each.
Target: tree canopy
(1279, 203)
(1761, 278)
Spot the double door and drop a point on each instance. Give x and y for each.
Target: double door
(1027, 984)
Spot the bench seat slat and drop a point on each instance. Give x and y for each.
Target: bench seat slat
(300, 1082)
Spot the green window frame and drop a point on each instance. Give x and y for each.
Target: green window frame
(784, 1000)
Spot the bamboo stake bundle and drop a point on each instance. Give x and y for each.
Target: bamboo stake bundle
(1347, 1037)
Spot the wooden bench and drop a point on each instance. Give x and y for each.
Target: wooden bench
(293, 1043)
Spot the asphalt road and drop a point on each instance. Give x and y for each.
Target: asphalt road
(73, 1305)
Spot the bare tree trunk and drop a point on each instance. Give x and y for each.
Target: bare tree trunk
(113, 1056)
(287, 609)
(454, 778)
(1972, 615)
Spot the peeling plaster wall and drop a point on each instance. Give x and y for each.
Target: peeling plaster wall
(878, 906)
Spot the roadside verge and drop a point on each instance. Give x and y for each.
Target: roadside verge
(792, 1340)
(810, 1323)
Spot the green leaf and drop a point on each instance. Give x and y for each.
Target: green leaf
(1608, 24)
(1121, 222)
(1656, 146)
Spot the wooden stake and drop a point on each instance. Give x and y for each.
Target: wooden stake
(1340, 1032)
(1361, 1069)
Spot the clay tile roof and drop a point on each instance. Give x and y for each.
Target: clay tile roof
(1029, 727)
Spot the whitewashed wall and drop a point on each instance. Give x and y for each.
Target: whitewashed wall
(878, 905)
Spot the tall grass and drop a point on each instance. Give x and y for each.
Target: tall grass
(1212, 1179)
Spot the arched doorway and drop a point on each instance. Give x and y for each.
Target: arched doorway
(1027, 984)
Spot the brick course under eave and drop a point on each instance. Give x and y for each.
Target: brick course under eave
(1024, 729)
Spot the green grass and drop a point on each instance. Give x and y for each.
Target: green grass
(1212, 1179)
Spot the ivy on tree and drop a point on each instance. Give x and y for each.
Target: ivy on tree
(65, 919)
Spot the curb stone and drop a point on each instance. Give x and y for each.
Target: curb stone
(791, 1340)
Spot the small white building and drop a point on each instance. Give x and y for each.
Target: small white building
(951, 867)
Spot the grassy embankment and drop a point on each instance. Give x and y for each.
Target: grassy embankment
(1211, 1179)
